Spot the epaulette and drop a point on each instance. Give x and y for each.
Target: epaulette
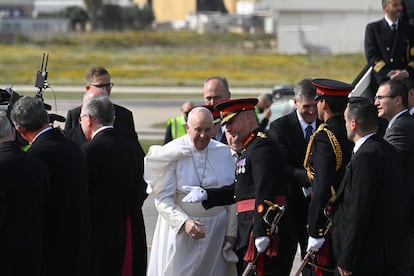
(379, 65)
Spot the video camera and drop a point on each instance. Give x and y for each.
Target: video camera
(8, 96)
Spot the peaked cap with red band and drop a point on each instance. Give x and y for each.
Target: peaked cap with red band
(229, 109)
(216, 114)
(331, 88)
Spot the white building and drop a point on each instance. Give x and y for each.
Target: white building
(45, 6)
(323, 26)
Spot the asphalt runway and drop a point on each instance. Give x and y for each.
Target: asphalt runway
(146, 113)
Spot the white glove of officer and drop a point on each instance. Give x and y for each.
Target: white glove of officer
(315, 244)
(195, 194)
(261, 243)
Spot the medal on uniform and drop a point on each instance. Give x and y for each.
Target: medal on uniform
(241, 166)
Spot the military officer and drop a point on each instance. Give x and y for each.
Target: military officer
(328, 153)
(259, 177)
(389, 44)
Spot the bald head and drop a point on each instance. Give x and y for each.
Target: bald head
(92, 93)
(216, 90)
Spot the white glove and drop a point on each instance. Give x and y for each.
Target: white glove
(315, 244)
(195, 194)
(261, 243)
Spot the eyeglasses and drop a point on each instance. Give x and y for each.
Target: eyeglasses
(383, 97)
(103, 86)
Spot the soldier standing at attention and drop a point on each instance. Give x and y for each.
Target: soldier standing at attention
(328, 152)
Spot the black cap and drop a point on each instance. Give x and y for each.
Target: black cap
(331, 88)
(229, 109)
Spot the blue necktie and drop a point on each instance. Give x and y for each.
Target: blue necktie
(308, 133)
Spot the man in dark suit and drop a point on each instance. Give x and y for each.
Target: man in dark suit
(327, 154)
(22, 203)
(66, 220)
(292, 132)
(98, 83)
(116, 193)
(216, 90)
(391, 101)
(389, 45)
(368, 208)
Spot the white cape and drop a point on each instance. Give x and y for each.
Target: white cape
(167, 169)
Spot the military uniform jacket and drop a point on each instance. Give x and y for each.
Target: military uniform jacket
(259, 175)
(386, 51)
(323, 161)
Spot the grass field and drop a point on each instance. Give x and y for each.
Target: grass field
(166, 59)
(169, 59)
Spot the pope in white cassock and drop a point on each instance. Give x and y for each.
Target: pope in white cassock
(189, 240)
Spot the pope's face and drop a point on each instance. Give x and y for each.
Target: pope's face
(199, 129)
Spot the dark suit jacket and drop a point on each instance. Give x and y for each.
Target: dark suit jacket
(66, 220)
(22, 204)
(116, 190)
(288, 134)
(380, 47)
(401, 136)
(368, 214)
(123, 120)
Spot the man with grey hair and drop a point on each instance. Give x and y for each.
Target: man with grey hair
(292, 133)
(22, 203)
(65, 231)
(116, 193)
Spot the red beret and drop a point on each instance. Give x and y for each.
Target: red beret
(229, 109)
(331, 88)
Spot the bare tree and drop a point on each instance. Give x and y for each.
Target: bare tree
(92, 7)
